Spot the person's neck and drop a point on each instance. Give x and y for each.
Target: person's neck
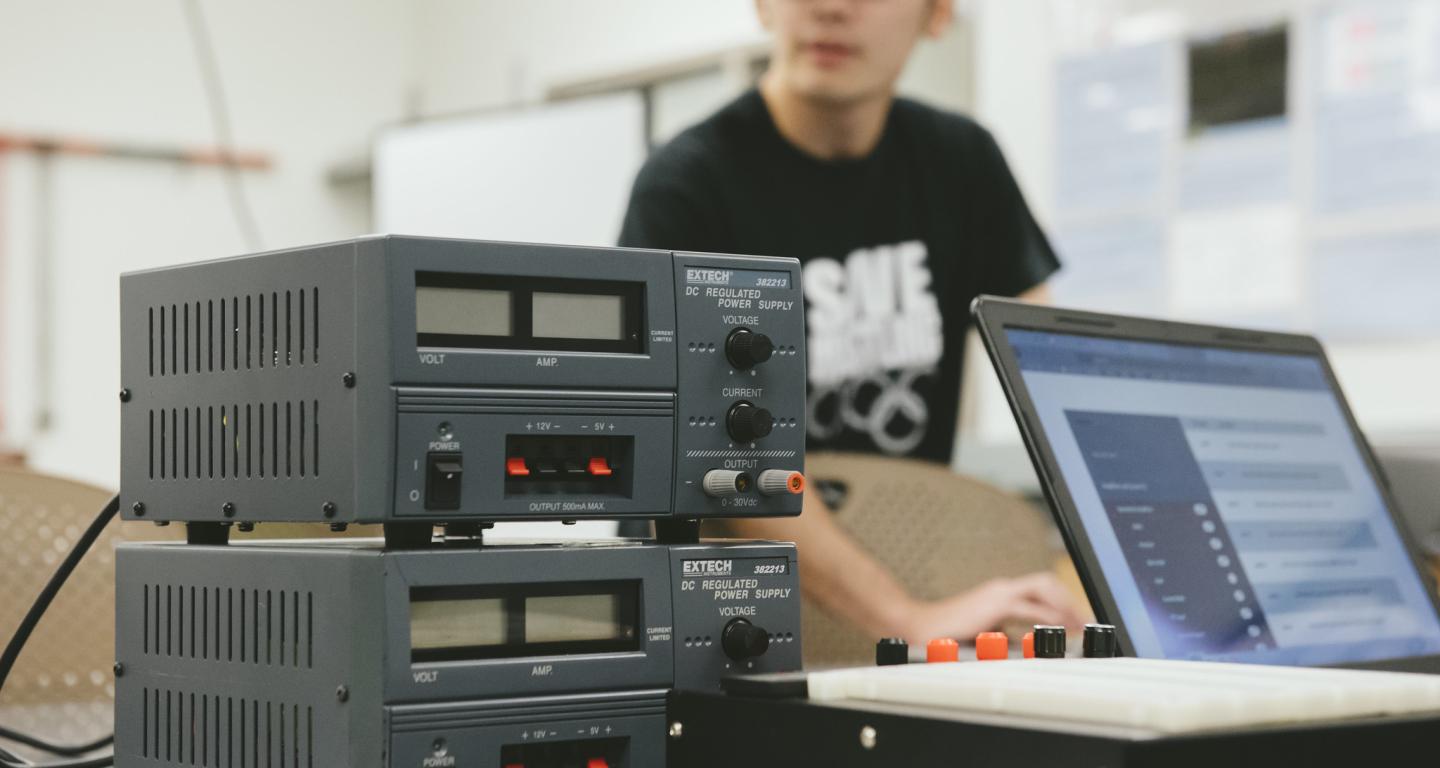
(822, 129)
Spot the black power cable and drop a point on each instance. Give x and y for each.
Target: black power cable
(27, 627)
(63, 750)
(103, 761)
(220, 118)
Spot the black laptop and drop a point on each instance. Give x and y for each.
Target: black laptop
(1214, 490)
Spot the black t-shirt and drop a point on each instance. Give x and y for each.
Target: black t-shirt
(894, 245)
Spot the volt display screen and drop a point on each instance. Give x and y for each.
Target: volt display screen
(472, 623)
(1227, 500)
(528, 313)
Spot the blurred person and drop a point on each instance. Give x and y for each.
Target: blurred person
(901, 214)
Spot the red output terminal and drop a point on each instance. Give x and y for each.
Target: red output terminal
(778, 482)
(515, 467)
(600, 467)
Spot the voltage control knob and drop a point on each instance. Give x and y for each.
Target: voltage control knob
(746, 348)
(748, 422)
(743, 641)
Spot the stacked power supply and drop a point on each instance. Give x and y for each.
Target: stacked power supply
(437, 387)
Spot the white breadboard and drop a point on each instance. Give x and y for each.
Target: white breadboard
(1164, 696)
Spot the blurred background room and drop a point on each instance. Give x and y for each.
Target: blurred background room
(1271, 163)
(1266, 163)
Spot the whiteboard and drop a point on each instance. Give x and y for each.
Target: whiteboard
(556, 173)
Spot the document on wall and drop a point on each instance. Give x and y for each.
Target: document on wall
(1377, 106)
(1114, 115)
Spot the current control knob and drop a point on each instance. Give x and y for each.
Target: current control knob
(748, 422)
(746, 348)
(725, 482)
(743, 641)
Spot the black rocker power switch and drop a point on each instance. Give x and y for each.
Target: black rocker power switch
(443, 472)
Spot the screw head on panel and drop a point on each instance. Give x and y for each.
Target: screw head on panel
(119, 669)
(868, 737)
(342, 693)
(328, 508)
(125, 395)
(138, 508)
(677, 729)
(228, 508)
(348, 380)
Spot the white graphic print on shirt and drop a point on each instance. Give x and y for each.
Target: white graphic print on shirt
(874, 327)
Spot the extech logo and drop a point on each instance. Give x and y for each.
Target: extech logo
(709, 567)
(708, 276)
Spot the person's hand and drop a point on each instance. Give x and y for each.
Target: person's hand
(1037, 598)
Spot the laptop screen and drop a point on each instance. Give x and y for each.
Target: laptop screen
(1227, 501)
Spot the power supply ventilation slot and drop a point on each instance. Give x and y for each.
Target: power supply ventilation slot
(261, 330)
(228, 624)
(186, 728)
(276, 440)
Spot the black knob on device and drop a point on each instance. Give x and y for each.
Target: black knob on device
(748, 421)
(1049, 642)
(742, 640)
(746, 348)
(892, 651)
(1099, 641)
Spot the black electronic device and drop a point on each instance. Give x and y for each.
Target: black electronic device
(1087, 713)
(345, 653)
(409, 380)
(788, 732)
(1214, 490)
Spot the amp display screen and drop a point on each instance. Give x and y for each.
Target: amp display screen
(577, 316)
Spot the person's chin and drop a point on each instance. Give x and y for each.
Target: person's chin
(831, 91)
(830, 88)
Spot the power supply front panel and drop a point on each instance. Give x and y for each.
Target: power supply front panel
(717, 584)
(719, 297)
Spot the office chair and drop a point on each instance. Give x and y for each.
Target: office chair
(62, 687)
